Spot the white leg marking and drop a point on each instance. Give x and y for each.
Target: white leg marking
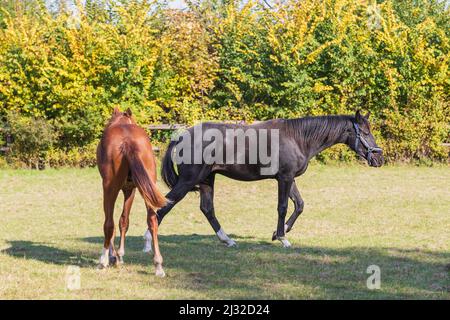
(104, 258)
(121, 252)
(148, 241)
(285, 228)
(160, 272)
(285, 242)
(225, 239)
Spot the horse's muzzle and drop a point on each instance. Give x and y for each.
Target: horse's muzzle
(376, 160)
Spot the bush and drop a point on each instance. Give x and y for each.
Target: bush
(231, 60)
(32, 139)
(3, 163)
(79, 157)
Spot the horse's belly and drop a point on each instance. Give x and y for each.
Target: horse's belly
(241, 172)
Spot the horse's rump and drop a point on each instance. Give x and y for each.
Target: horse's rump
(140, 176)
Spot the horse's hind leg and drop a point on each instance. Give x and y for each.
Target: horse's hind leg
(207, 207)
(152, 222)
(110, 193)
(128, 193)
(112, 249)
(189, 177)
(174, 196)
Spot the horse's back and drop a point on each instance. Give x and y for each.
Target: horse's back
(269, 124)
(125, 131)
(232, 135)
(118, 135)
(120, 139)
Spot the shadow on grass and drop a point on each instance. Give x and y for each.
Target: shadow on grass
(45, 253)
(265, 270)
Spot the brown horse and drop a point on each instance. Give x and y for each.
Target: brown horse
(125, 160)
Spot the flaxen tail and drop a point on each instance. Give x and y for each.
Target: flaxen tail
(152, 196)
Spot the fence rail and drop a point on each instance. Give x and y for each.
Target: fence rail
(175, 126)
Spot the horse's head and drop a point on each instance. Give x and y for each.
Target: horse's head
(121, 117)
(363, 143)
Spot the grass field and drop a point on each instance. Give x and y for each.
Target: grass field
(397, 218)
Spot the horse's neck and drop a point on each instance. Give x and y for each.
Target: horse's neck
(325, 140)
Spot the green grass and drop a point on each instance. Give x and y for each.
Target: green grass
(395, 217)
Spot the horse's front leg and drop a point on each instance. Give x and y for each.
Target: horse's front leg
(207, 207)
(284, 187)
(298, 207)
(299, 204)
(174, 196)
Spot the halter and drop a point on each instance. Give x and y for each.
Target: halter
(370, 149)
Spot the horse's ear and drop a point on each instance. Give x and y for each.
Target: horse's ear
(359, 118)
(367, 115)
(116, 111)
(128, 113)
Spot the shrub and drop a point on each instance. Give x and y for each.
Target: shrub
(79, 157)
(233, 60)
(3, 163)
(32, 138)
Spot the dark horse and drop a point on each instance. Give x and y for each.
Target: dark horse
(125, 161)
(299, 141)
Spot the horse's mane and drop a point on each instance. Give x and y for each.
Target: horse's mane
(317, 128)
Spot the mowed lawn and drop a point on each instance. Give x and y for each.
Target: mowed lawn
(396, 217)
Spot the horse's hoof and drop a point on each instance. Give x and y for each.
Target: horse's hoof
(286, 230)
(160, 273)
(119, 260)
(286, 243)
(112, 260)
(147, 249)
(101, 266)
(231, 244)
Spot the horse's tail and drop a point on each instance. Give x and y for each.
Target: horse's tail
(168, 173)
(146, 186)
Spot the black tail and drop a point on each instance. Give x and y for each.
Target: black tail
(168, 173)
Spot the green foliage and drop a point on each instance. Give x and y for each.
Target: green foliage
(230, 60)
(33, 137)
(3, 163)
(79, 157)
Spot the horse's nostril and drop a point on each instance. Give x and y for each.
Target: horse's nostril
(376, 162)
